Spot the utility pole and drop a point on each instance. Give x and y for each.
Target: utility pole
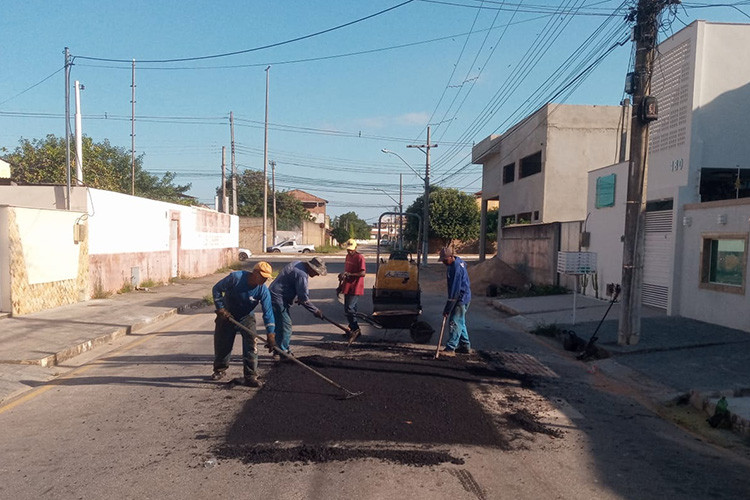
(79, 135)
(400, 210)
(425, 148)
(223, 204)
(132, 130)
(646, 15)
(273, 194)
(67, 124)
(234, 167)
(265, 171)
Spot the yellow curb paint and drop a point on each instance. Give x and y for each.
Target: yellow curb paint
(81, 369)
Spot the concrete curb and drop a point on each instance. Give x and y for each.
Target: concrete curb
(80, 348)
(735, 398)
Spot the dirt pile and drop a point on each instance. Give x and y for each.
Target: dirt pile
(495, 272)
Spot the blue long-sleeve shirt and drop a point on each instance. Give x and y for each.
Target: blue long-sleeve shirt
(240, 298)
(291, 283)
(459, 288)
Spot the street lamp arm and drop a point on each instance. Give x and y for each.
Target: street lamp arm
(388, 151)
(385, 193)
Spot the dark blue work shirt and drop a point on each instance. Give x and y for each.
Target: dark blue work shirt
(459, 289)
(240, 298)
(291, 283)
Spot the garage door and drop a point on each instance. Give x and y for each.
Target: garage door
(658, 259)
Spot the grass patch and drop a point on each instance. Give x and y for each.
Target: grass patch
(149, 283)
(100, 293)
(547, 330)
(328, 249)
(533, 291)
(126, 288)
(208, 299)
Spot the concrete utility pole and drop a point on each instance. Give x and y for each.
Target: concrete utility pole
(79, 135)
(132, 130)
(67, 124)
(646, 15)
(265, 171)
(234, 167)
(425, 148)
(273, 194)
(223, 204)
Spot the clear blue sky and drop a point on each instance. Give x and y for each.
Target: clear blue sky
(469, 68)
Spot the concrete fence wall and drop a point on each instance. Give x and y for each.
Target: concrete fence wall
(532, 250)
(43, 259)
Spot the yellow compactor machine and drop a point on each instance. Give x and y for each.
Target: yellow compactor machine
(396, 296)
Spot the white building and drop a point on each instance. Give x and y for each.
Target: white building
(698, 184)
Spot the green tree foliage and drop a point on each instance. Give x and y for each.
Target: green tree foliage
(108, 167)
(492, 216)
(454, 215)
(349, 225)
(289, 210)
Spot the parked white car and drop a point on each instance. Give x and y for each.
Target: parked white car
(290, 246)
(244, 254)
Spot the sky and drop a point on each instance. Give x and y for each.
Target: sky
(346, 79)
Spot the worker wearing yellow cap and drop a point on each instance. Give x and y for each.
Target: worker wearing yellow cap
(236, 296)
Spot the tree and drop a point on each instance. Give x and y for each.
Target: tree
(289, 210)
(42, 161)
(349, 225)
(454, 215)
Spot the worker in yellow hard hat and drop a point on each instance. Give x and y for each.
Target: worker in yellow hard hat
(352, 285)
(236, 296)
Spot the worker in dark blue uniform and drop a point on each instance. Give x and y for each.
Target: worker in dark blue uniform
(459, 296)
(236, 296)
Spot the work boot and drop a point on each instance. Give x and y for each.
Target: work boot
(447, 352)
(253, 382)
(218, 374)
(355, 333)
(463, 349)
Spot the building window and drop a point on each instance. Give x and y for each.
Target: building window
(530, 165)
(523, 218)
(509, 173)
(508, 220)
(605, 191)
(724, 183)
(723, 262)
(536, 214)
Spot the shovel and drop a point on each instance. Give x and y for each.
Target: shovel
(347, 393)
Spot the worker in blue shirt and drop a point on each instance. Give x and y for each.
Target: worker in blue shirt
(291, 284)
(236, 296)
(459, 296)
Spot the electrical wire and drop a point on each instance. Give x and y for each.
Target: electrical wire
(254, 49)
(31, 87)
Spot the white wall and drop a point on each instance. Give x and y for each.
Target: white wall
(120, 223)
(712, 306)
(607, 225)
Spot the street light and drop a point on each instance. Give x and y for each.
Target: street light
(400, 208)
(388, 151)
(425, 148)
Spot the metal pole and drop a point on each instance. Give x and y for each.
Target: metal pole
(132, 131)
(265, 171)
(234, 167)
(67, 125)
(273, 194)
(223, 180)
(400, 210)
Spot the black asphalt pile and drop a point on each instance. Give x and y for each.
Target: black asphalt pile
(529, 422)
(258, 454)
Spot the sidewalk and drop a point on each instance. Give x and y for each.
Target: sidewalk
(674, 356)
(34, 342)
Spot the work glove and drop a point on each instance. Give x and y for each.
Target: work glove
(224, 314)
(270, 342)
(318, 314)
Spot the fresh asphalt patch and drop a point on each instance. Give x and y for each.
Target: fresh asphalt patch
(412, 411)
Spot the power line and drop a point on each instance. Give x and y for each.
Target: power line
(254, 49)
(35, 85)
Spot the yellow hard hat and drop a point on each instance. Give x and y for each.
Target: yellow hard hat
(264, 269)
(351, 244)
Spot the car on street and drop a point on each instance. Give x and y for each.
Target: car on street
(244, 254)
(290, 246)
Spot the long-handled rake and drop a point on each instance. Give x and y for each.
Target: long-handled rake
(347, 393)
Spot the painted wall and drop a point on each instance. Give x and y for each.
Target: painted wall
(129, 240)
(606, 226)
(41, 264)
(44, 196)
(712, 306)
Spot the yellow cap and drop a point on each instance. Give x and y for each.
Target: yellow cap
(351, 244)
(264, 269)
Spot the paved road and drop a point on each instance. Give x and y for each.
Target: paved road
(143, 421)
